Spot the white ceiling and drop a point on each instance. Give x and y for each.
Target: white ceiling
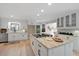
(29, 11)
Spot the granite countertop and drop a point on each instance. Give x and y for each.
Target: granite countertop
(16, 32)
(51, 43)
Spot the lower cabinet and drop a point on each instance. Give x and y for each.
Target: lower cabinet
(63, 50)
(56, 51)
(33, 45)
(41, 50)
(17, 36)
(11, 37)
(38, 49)
(3, 37)
(68, 49)
(76, 44)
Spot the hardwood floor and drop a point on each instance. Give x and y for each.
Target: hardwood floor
(21, 48)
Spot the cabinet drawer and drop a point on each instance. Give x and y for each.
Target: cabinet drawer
(42, 51)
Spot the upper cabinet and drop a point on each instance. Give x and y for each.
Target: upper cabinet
(60, 22)
(73, 19)
(69, 20)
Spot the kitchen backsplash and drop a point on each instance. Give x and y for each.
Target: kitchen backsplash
(75, 32)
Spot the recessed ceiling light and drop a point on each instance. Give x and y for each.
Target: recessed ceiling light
(42, 10)
(38, 14)
(11, 16)
(49, 3)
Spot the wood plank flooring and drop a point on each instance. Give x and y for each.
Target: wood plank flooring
(21, 48)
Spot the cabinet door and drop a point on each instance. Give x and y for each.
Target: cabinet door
(62, 21)
(11, 37)
(58, 51)
(73, 19)
(68, 49)
(4, 37)
(23, 36)
(0, 37)
(58, 22)
(67, 21)
(18, 36)
(34, 45)
(76, 44)
(42, 51)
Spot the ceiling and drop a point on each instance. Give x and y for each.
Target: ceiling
(29, 11)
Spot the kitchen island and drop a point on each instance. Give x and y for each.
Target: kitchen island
(46, 46)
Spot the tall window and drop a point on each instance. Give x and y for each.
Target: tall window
(51, 28)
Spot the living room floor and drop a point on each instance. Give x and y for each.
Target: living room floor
(19, 48)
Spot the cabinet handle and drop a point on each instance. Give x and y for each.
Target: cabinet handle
(39, 45)
(23, 35)
(32, 43)
(38, 52)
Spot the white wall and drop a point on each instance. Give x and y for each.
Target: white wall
(4, 22)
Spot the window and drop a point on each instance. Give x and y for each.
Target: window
(51, 28)
(43, 27)
(37, 28)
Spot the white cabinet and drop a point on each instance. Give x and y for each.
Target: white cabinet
(56, 51)
(73, 19)
(60, 22)
(23, 36)
(68, 49)
(11, 37)
(34, 45)
(68, 20)
(76, 44)
(3, 37)
(17, 36)
(63, 50)
(40, 50)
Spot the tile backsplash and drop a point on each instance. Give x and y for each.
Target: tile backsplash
(74, 31)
